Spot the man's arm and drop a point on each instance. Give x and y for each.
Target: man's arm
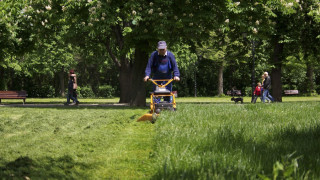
(149, 67)
(175, 68)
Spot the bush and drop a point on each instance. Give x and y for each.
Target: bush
(106, 91)
(45, 91)
(248, 91)
(85, 92)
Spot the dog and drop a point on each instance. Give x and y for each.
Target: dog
(236, 100)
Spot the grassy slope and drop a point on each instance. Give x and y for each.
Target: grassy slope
(226, 141)
(74, 143)
(206, 137)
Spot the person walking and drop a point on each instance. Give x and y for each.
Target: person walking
(75, 86)
(262, 83)
(70, 89)
(266, 88)
(162, 64)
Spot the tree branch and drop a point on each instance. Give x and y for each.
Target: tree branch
(113, 57)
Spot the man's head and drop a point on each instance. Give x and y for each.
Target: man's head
(265, 74)
(71, 71)
(162, 48)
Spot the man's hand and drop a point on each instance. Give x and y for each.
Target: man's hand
(176, 78)
(146, 78)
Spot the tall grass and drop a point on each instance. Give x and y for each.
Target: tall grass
(228, 141)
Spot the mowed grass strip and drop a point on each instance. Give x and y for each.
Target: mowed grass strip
(76, 143)
(238, 141)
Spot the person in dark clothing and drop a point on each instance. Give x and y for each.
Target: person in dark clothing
(162, 64)
(75, 86)
(72, 89)
(266, 88)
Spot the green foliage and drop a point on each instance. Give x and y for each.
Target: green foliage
(85, 92)
(43, 91)
(106, 91)
(286, 169)
(48, 37)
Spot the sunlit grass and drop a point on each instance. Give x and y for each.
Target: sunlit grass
(74, 143)
(225, 99)
(60, 101)
(228, 141)
(207, 138)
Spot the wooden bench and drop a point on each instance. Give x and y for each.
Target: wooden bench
(13, 95)
(234, 93)
(291, 92)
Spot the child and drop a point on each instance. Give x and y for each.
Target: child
(257, 92)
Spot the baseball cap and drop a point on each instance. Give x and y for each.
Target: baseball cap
(162, 45)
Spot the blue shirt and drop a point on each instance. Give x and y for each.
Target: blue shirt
(162, 66)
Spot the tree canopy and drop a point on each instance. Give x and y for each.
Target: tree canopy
(108, 43)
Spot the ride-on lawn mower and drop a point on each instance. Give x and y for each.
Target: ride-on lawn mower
(157, 102)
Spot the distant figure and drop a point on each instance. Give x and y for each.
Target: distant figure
(257, 93)
(266, 88)
(72, 89)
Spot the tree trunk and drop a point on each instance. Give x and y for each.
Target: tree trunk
(220, 79)
(310, 72)
(138, 94)
(2, 79)
(125, 80)
(132, 87)
(61, 80)
(276, 71)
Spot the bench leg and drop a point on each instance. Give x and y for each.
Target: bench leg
(0, 101)
(24, 101)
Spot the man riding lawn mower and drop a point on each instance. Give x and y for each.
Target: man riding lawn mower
(162, 64)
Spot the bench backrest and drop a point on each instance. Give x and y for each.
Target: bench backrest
(234, 92)
(291, 91)
(13, 93)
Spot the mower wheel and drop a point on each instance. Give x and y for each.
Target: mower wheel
(154, 118)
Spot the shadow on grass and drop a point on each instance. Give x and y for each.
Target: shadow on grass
(261, 156)
(61, 168)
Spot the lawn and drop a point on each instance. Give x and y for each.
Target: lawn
(206, 138)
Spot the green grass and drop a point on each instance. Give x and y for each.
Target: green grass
(74, 143)
(207, 138)
(179, 100)
(227, 141)
(60, 101)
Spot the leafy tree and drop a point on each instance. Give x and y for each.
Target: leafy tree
(128, 30)
(272, 21)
